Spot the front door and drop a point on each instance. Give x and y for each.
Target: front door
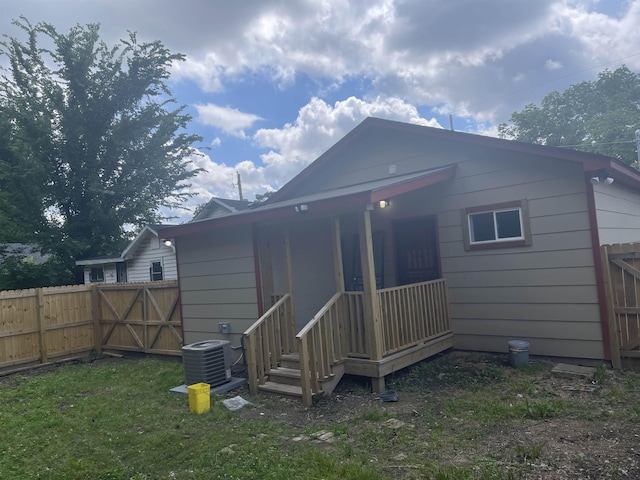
(416, 244)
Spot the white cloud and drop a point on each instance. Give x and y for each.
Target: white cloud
(428, 52)
(552, 65)
(227, 119)
(320, 125)
(292, 147)
(604, 38)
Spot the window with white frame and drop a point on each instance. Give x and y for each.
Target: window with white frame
(156, 271)
(496, 226)
(96, 275)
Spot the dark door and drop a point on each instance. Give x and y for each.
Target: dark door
(378, 261)
(416, 246)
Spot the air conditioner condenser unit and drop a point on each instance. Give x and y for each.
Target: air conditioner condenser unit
(208, 361)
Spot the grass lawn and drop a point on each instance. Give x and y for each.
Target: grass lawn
(460, 416)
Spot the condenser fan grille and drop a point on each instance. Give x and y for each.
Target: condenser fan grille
(207, 362)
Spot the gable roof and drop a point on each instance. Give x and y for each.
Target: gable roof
(591, 161)
(280, 204)
(227, 205)
(148, 230)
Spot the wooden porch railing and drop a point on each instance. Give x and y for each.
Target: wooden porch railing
(412, 314)
(356, 333)
(267, 340)
(321, 343)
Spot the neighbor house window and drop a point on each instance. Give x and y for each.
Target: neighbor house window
(96, 275)
(497, 226)
(156, 271)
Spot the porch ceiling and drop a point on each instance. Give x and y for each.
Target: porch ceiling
(360, 194)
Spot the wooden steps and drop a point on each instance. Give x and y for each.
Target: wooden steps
(285, 380)
(294, 391)
(291, 360)
(286, 376)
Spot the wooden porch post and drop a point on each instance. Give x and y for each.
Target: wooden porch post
(337, 256)
(370, 302)
(289, 268)
(266, 269)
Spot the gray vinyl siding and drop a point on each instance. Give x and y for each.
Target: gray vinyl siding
(217, 284)
(544, 293)
(313, 271)
(618, 213)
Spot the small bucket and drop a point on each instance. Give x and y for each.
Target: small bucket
(518, 353)
(199, 398)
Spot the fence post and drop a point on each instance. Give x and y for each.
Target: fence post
(612, 319)
(145, 319)
(42, 328)
(96, 314)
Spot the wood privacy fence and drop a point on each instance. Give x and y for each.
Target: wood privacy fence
(622, 283)
(44, 324)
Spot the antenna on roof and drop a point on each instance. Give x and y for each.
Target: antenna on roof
(451, 122)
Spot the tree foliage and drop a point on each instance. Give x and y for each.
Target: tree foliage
(598, 116)
(90, 139)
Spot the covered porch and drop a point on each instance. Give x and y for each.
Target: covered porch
(335, 303)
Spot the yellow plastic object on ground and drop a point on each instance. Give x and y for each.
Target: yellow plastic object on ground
(199, 398)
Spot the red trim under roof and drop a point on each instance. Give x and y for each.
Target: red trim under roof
(357, 196)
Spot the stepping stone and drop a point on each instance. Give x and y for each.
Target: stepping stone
(573, 370)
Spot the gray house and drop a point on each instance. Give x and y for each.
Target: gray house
(217, 207)
(403, 240)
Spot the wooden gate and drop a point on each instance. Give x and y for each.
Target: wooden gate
(622, 281)
(140, 317)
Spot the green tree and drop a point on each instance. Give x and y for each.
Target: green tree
(598, 116)
(22, 184)
(94, 137)
(262, 197)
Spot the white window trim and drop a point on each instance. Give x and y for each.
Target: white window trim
(497, 239)
(512, 242)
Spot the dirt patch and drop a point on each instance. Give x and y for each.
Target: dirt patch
(472, 416)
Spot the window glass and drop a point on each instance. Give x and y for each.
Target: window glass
(156, 271)
(482, 227)
(96, 275)
(508, 223)
(500, 225)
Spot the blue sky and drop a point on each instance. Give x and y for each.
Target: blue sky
(272, 84)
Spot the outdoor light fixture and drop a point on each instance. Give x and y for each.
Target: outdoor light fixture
(603, 177)
(302, 208)
(384, 203)
(167, 243)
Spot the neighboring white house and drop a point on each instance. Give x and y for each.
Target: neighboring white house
(149, 257)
